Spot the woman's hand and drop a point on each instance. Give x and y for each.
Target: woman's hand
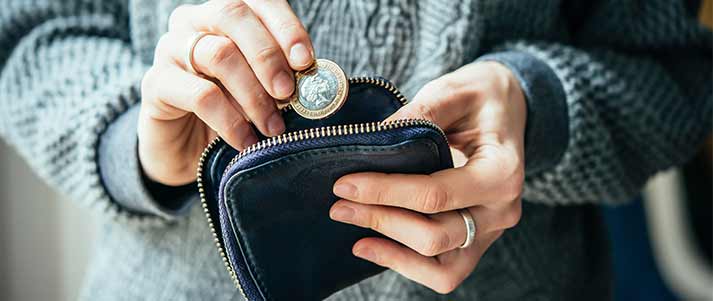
(243, 66)
(482, 110)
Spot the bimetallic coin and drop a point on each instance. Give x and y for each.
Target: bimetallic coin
(321, 90)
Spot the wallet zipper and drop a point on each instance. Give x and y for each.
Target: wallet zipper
(306, 134)
(211, 223)
(330, 131)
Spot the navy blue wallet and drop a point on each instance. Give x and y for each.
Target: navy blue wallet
(268, 206)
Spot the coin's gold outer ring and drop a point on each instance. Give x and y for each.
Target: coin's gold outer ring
(339, 99)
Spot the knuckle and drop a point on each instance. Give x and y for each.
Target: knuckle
(424, 111)
(434, 200)
(513, 215)
(290, 29)
(435, 85)
(375, 222)
(447, 283)
(379, 195)
(233, 9)
(149, 85)
(514, 185)
(148, 79)
(258, 102)
(176, 16)
(221, 50)
(162, 45)
(205, 94)
(437, 242)
(444, 84)
(267, 54)
(233, 126)
(446, 87)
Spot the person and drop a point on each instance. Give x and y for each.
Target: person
(565, 104)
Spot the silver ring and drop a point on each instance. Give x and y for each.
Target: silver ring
(189, 62)
(469, 227)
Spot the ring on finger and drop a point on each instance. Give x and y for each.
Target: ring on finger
(469, 226)
(192, 42)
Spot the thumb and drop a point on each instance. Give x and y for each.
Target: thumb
(434, 102)
(418, 108)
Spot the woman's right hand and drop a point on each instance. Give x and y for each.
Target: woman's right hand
(245, 64)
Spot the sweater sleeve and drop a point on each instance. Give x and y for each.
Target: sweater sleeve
(67, 72)
(635, 81)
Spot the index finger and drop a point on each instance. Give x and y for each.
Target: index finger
(286, 28)
(237, 20)
(477, 183)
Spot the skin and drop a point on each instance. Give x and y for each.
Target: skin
(245, 67)
(482, 109)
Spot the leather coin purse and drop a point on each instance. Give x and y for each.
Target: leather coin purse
(268, 206)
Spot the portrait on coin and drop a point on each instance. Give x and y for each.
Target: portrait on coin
(318, 89)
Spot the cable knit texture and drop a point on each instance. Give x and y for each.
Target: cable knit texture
(635, 77)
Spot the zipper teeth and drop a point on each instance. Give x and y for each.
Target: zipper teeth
(312, 133)
(211, 225)
(300, 135)
(330, 131)
(382, 83)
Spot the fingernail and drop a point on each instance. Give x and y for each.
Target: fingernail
(275, 125)
(365, 253)
(345, 190)
(342, 213)
(283, 84)
(300, 55)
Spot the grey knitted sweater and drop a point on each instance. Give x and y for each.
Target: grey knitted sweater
(616, 91)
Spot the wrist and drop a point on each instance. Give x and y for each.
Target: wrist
(163, 156)
(511, 88)
(509, 93)
(124, 178)
(547, 124)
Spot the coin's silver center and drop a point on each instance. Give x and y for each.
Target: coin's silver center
(317, 89)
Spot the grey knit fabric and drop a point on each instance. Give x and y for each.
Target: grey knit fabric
(635, 76)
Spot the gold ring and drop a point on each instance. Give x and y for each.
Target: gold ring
(189, 62)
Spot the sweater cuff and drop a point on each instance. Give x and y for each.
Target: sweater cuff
(547, 129)
(123, 176)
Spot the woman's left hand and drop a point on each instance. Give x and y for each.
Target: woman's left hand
(482, 110)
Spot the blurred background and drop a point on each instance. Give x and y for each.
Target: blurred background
(661, 243)
(45, 241)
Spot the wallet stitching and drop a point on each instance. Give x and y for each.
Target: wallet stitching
(433, 145)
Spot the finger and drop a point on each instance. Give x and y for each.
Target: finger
(496, 217)
(236, 20)
(191, 93)
(427, 235)
(442, 273)
(486, 180)
(420, 193)
(179, 19)
(219, 58)
(434, 102)
(428, 271)
(286, 28)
